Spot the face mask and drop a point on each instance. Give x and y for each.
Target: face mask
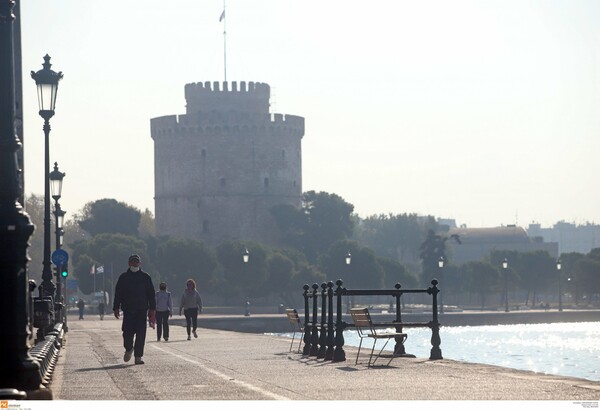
(163, 288)
(134, 268)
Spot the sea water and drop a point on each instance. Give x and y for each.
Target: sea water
(566, 349)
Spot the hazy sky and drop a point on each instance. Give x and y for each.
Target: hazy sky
(487, 112)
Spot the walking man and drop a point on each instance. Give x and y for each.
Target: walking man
(81, 307)
(135, 296)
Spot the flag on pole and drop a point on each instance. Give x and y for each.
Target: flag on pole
(100, 269)
(93, 269)
(222, 16)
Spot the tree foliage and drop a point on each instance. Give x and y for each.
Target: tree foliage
(481, 278)
(363, 272)
(322, 219)
(396, 237)
(109, 216)
(248, 279)
(432, 249)
(182, 259)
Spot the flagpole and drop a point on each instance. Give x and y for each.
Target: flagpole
(224, 42)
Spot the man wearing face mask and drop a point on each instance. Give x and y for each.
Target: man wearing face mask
(135, 296)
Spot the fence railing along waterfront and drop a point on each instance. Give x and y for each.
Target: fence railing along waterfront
(325, 340)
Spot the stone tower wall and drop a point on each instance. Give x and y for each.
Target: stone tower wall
(220, 167)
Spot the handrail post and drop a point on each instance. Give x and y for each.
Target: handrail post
(339, 355)
(306, 349)
(330, 330)
(323, 332)
(399, 349)
(436, 352)
(314, 340)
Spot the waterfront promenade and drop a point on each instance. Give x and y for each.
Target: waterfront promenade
(226, 365)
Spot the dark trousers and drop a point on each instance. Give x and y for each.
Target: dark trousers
(134, 324)
(191, 319)
(162, 324)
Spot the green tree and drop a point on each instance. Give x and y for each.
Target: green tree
(568, 273)
(323, 219)
(181, 259)
(244, 279)
(281, 273)
(109, 216)
(362, 273)
(431, 250)
(481, 278)
(537, 270)
(34, 206)
(108, 250)
(395, 236)
(587, 272)
(146, 226)
(394, 272)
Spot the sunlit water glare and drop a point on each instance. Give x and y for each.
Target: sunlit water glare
(566, 349)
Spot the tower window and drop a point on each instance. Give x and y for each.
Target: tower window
(203, 153)
(283, 154)
(266, 182)
(222, 182)
(205, 226)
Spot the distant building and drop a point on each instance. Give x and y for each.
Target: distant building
(477, 243)
(221, 166)
(570, 237)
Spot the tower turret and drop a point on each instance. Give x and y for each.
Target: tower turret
(223, 165)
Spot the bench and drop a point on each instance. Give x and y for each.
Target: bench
(367, 329)
(294, 320)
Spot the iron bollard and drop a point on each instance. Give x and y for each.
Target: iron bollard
(323, 333)
(314, 340)
(306, 349)
(339, 355)
(330, 329)
(399, 347)
(436, 352)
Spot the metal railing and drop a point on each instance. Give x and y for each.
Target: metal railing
(324, 339)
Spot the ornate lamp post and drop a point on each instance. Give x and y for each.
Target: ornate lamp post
(441, 262)
(245, 259)
(47, 86)
(56, 179)
(19, 372)
(348, 260)
(504, 269)
(558, 268)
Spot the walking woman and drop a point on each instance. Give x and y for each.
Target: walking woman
(191, 304)
(164, 310)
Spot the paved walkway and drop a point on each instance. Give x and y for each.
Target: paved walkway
(224, 365)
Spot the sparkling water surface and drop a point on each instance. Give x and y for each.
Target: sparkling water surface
(566, 349)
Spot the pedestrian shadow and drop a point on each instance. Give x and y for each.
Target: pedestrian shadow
(111, 367)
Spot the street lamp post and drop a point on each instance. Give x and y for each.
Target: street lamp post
(56, 179)
(558, 268)
(441, 262)
(246, 259)
(20, 372)
(47, 86)
(348, 260)
(505, 270)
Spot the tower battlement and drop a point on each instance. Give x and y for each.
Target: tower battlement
(207, 96)
(220, 167)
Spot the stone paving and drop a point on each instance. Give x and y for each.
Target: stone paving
(225, 365)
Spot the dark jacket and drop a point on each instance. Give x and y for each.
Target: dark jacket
(134, 291)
